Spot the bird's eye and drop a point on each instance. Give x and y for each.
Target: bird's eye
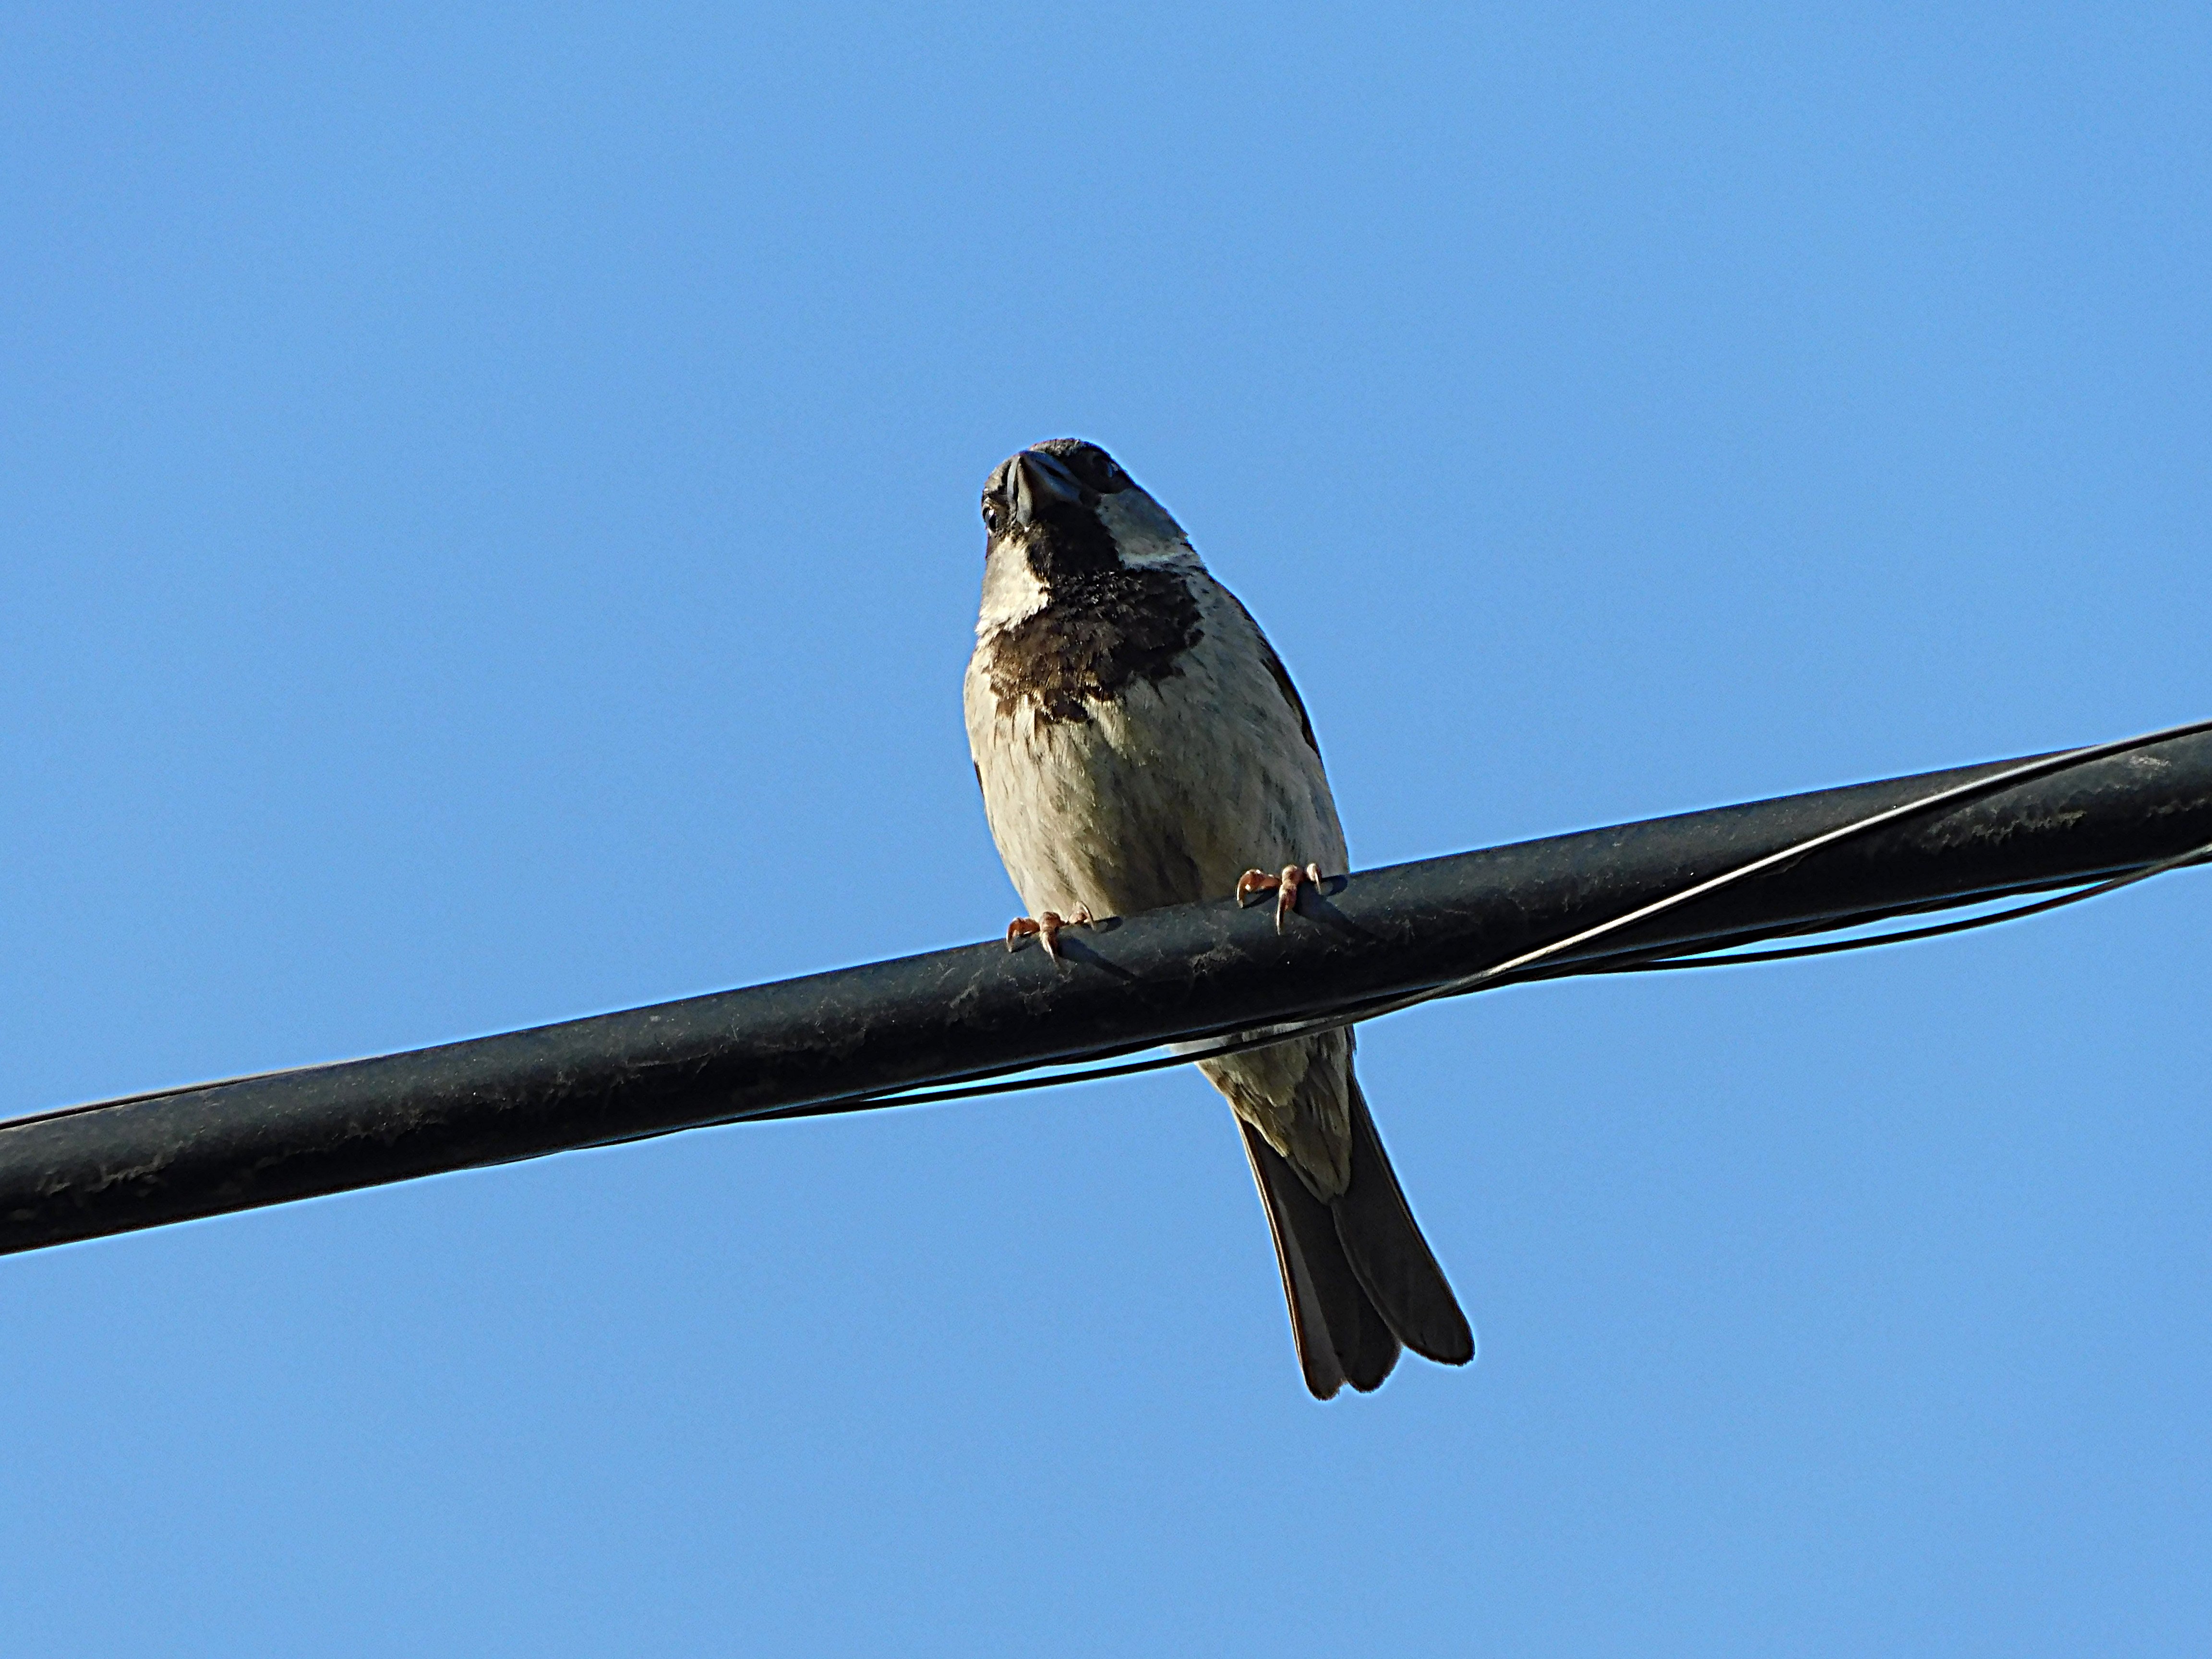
(994, 514)
(1097, 470)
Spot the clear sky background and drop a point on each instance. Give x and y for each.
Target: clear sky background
(488, 533)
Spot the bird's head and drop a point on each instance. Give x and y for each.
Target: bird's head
(1062, 510)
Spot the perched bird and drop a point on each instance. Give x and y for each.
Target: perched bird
(1139, 744)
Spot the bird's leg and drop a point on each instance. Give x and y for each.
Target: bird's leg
(1254, 882)
(1047, 929)
(1285, 887)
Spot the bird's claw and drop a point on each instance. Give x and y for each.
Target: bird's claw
(1046, 928)
(1285, 887)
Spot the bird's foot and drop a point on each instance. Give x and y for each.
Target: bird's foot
(1285, 887)
(1046, 928)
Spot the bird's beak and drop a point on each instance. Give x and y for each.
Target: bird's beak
(1039, 481)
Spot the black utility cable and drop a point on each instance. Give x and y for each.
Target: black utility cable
(951, 1024)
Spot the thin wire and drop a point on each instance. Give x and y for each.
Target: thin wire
(1994, 784)
(2018, 912)
(1355, 1014)
(1515, 970)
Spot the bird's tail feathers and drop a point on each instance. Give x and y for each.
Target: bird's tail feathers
(1392, 1261)
(1339, 1335)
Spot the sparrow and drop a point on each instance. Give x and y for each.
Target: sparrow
(1139, 744)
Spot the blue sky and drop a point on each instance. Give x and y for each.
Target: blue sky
(490, 536)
